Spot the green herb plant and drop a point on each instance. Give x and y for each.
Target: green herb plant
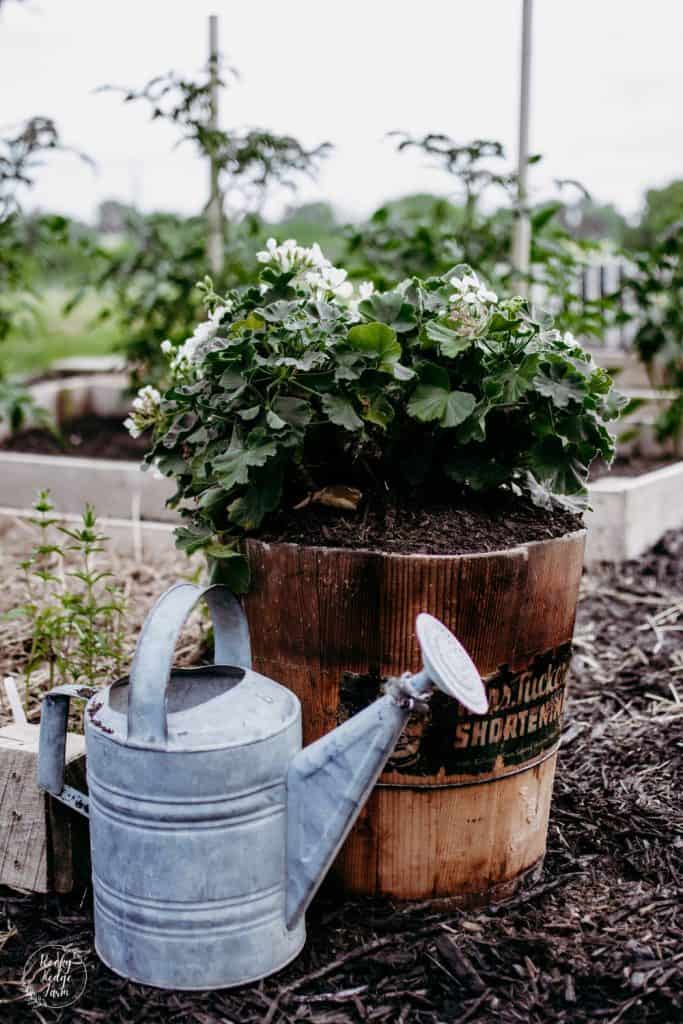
(75, 611)
(298, 383)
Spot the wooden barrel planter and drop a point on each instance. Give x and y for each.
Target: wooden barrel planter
(462, 808)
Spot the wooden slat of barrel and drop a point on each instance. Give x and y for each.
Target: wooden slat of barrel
(323, 620)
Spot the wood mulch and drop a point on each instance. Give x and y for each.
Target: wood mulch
(597, 939)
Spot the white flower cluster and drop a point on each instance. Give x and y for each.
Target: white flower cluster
(471, 291)
(313, 270)
(145, 411)
(186, 354)
(470, 304)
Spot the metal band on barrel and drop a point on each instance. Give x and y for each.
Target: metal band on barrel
(474, 782)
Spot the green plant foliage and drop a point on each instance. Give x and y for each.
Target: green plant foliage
(653, 289)
(75, 609)
(149, 284)
(426, 235)
(296, 383)
(29, 245)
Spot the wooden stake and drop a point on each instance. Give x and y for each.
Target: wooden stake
(214, 211)
(521, 240)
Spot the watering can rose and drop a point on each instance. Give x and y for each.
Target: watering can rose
(303, 381)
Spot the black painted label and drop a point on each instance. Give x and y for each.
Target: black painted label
(523, 721)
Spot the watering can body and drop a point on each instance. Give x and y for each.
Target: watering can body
(210, 828)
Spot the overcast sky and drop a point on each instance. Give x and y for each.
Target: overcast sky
(607, 85)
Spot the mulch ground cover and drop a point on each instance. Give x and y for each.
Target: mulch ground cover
(598, 938)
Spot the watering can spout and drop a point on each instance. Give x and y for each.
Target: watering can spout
(327, 784)
(329, 781)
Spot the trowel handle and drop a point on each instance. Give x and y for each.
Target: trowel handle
(54, 717)
(151, 669)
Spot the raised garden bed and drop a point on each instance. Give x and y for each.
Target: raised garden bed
(631, 513)
(97, 464)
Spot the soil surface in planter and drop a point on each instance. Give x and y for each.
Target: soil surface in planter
(89, 436)
(465, 523)
(596, 939)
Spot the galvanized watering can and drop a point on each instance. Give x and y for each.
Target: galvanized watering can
(211, 829)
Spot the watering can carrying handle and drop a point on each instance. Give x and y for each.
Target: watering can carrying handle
(54, 717)
(151, 669)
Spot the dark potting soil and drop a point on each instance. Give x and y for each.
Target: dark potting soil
(465, 523)
(596, 940)
(87, 436)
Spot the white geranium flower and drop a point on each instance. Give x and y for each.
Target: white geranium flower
(167, 347)
(188, 352)
(365, 290)
(313, 270)
(470, 304)
(131, 426)
(145, 411)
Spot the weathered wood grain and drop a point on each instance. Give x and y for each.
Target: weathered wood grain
(41, 843)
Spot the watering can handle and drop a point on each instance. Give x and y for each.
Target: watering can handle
(54, 716)
(151, 669)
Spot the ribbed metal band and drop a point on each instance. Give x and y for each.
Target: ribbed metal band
(474, 782)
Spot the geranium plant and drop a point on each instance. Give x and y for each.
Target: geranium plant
(299, 385)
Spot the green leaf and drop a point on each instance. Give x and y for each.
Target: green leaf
(474, 429)
(274, 421)
(390, 308)
(230, 567)
(560, 384)
(378, 340)
(262, 496)
(210, 497)
(294, 411)
(459, 405)
(232, 468)
(379, 411)
(432, 399)
(511, 383)
(450, 343)
(402, 372)
(341, 412)
(557, 468)
(427, 403)
(252, 322)
(191, 538)
(249, 414)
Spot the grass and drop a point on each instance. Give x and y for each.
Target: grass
(52, 335)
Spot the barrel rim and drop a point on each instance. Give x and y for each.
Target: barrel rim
(499, 552)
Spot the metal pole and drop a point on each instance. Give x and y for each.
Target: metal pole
(214, 244)
(521, 240)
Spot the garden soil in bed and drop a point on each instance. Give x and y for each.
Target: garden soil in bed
(89, 436)
(597, 939)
